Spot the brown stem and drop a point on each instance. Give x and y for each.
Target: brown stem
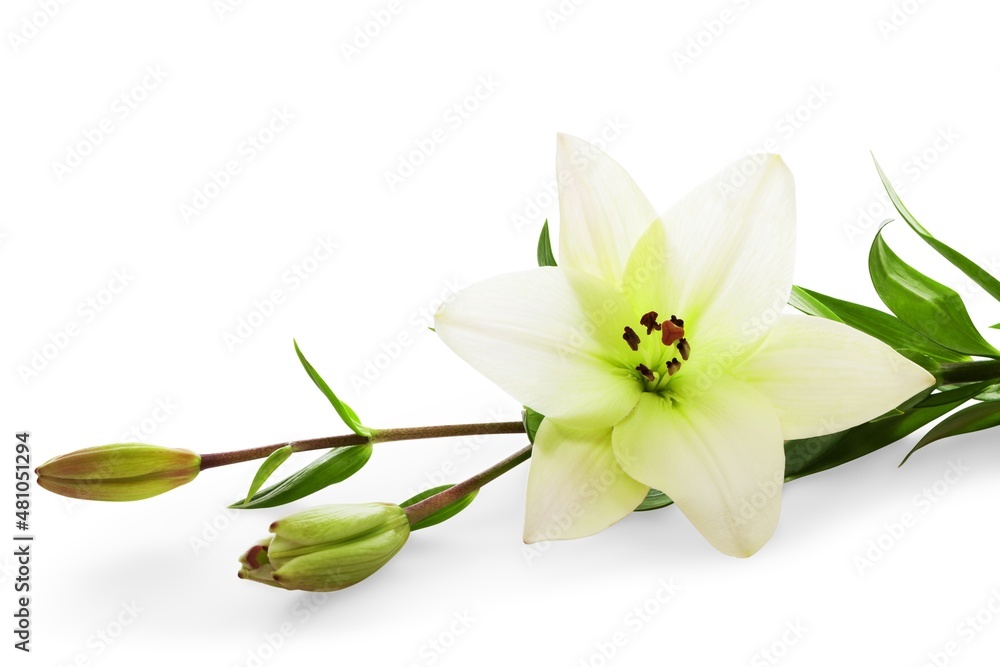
(385, 435)
(423, 509)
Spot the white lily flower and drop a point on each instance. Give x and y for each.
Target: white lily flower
(659, 354)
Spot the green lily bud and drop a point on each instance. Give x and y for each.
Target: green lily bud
(327, 548)
(131, 471)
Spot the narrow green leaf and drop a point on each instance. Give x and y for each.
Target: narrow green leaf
(991, 394)
(267, 468)
(971, 419)
(956, 395)
(442, 514)
(532, 420)
(928, 306)
(333, 467)
(654, 500)
(545, 256)
(812, 455)
(343, 409)
(887, 328)
(978, 274)
(995, 326)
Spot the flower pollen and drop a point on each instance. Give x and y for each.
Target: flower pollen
(645, 372)
(684, 347)
(673, 366)
(673, 330)
(632, 338)
(649, 321)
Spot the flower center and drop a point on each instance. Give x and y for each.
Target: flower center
(658, 368)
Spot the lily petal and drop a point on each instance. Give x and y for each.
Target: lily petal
(717, 453)
(544, 337)
(731, 252)
(823, 376)
(575, 486)
(602, 212)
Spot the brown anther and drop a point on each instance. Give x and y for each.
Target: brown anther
(649, 321)
(632, 338)
(684, 347)
(672, 331)
(676, 320)
(673, 366)
(645, 372)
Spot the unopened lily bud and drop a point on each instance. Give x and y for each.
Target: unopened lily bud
(131, 471)
(327, 548)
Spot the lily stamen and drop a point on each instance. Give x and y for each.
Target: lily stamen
(632, 338)
(649, 321)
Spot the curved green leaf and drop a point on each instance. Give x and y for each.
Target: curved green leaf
(812, 455)
(956, 395)
(532, 420)
(545, 256)
(267, 468)
(978, 274)
(442, 514)
(887, 328)
(333, 467)
(654, 500)
(349, 416)
(928, 306)
(971, 419)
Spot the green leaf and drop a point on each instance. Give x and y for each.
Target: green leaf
(532, 420)
(333, 467)
(978, 274)
(991, 394)
(812, 455)
(956, 395)
(545, 256)
(343, 409)
(887, 328)
(971, 419)
(267, 468)
(654, 500)
(442, 514)
(995, 326)
(928, 306)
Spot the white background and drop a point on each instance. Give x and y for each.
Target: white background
(821, 83)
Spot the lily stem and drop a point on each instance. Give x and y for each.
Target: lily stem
(423, 509)
(971, 371)
(384, 435)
